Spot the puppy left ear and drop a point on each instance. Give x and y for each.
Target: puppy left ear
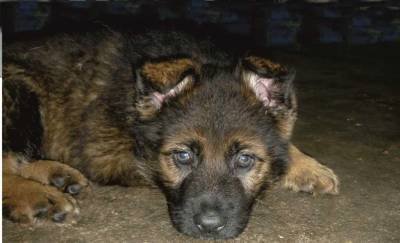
(269, 82)
(160, 81)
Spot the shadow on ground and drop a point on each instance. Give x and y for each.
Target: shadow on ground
(349, 120)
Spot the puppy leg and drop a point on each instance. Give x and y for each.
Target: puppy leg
(307, 175)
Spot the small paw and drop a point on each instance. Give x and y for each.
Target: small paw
(61, 176)
(27, 201)
(307, 175)
(316, 179)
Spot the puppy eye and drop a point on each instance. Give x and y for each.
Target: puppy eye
(183, 157)
(245, 161)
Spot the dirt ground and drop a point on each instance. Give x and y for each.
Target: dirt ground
(349, 120)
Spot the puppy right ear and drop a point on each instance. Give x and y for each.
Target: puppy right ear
(160, 81)
(271, 83)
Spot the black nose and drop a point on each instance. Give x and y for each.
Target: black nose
(209, 221)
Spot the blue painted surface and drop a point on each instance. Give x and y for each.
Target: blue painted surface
(329, 12)
(279, 14)
(30, 17)
(361, 20)
(281, 26)
(328, 35)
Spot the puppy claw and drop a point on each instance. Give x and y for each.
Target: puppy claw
(58, 181)
(73, 189)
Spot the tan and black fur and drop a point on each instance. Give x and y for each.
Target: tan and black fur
(122, 108)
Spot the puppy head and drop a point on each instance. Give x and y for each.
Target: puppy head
(221, 144)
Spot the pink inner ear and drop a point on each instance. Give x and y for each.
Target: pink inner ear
(262, 87)
(158, 98)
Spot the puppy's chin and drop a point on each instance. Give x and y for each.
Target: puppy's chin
(185, 225)
(193, 231)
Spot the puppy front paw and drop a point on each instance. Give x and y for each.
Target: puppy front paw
(316, 179)
(307, 175)
(27, 201)
(62, 176)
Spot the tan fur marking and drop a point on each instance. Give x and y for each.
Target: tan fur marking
(287, 119)
(186, 134)
(171, 174)
(264, 63)
(286, 125)
(168, 72)
(249, 139)
(255, 178)
(12, 163)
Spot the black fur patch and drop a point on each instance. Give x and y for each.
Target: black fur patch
(22, 129)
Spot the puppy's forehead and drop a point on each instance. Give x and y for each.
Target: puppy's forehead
(246, 138)
(216, 143)
(183, 138)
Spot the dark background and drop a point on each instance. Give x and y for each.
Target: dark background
(295, 22)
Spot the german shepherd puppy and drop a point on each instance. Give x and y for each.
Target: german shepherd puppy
(210, 130)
